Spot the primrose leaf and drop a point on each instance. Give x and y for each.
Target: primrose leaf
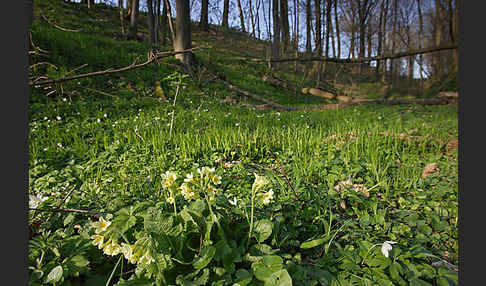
(313, 243)
(207, 255)
(55, 275)
(263, 229)
(202, 280)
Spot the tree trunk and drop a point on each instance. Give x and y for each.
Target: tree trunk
(224, 23)
(455, 33)
(380, 37)
(163, 25)
(132, 31)
(169, 19)
(437, 38)
(151, 22)
(284, 19)
(336, 22)
(308, 24)
(183, 32)
(328, 25)
(242, 20)
(203, 22)
(252, 19)
(120, 10)
(276, 30)
(318, 39)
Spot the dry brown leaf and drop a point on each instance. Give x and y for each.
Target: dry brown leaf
(430, 169)
(451, 145)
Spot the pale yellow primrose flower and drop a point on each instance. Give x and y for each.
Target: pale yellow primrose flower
(170, 200)
(135, 257)
(186, 192)
(216, 179)
(101, 225)
(169, 179)
(267, 197)
(112, 248)
(189, 178)
(259, 182)
(386, 247)
(127, 250)
(146, 258)
(97, 240)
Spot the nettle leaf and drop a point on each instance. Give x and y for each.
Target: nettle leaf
(202, 280)
(207, 255)
(55, 275)
(263, 229)
(313, 243)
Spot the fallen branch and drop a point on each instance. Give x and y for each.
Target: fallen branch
(67, 211)
(57, 26)
(361, 60)
(98, 91)
(111, 70)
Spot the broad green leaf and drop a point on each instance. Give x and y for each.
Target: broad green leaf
(262, 229)
(207, 255)
(135, 282)
(243, 277)
(313, 243)
(202, 280)
(55, 275)
(419, 282)
(158, 222)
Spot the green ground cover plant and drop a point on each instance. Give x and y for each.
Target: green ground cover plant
(131, 190)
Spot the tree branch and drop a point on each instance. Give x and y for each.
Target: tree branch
(111, 70)
(362, 60)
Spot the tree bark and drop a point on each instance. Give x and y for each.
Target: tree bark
(151, 22)
(242, 19)
(276, 30)
(308, 24)
(284, 20)
(203, 22)
(437, 38)
(318, 39)
(183, 32)
(224, 23)
(163, 25)
(338, 35)
(169, 19)
(132, 32)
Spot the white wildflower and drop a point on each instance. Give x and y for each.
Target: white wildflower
(386, 247)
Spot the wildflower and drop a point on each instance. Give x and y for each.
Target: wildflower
(58, 117)
(97, 240)
(135, 257)
(189, 178)
(204, 171)
(169, 179)
(105, 115)
(186, 192)
(127, 250)
(170, 200)
(35, 201)
(59, 145)
(101, 225)
(146, 258)
(259, 182)
(216, 179)
(112, 248)
(233, 202)
(386, 247)
(267, 197)
(236, 124)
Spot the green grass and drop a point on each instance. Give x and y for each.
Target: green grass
(114, 151)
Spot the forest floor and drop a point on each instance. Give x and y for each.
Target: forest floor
(340, 184)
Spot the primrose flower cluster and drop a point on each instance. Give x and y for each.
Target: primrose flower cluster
(111, 247)
(258, 184)
(203, 183)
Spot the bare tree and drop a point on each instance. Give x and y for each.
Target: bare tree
(308, 25)
(276, 30)
(224, 23)
(284, 22)
(132, 30)
(183, 32)
(242, 19)
(203, 22)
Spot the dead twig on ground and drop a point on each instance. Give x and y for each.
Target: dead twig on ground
(111, 70)
(98, 91)
(57, 26)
